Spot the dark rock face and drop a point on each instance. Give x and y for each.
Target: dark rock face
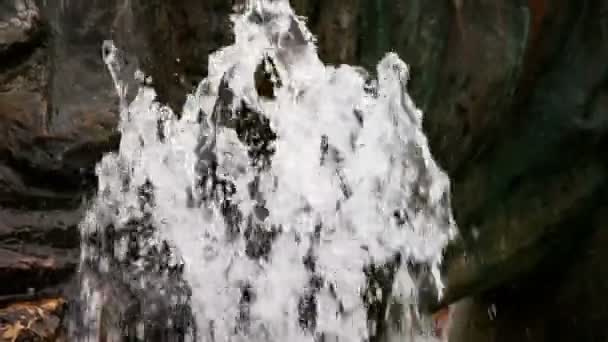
(175, 40)
(35, 256)
(561, 302)
(543, 171)
(53, 130)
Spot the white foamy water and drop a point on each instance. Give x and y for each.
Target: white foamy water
(345, 180)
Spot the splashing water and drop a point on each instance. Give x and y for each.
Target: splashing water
(284, 203)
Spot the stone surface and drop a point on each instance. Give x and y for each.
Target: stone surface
(33, 268)
(37, 321)
(38, 249)
(176, 42)
(544, 175)
(20, 26)
(560, 302)
(47, 141)
(53, 132)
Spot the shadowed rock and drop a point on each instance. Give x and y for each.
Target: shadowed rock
(48, 151)
(20, 27)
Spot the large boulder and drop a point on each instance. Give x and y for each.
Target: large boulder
(57, 117)
(535, 188)
(172, 41)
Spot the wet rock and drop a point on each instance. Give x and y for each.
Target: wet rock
(28, 268)
(267, 78)
(32, 176)
(40, 150)
(20, 27)
(38, 321)
(441, 321)
(559, 301)
(530, 196)
(329, 20)
(177, 41)
(53, 133)
(54, 228)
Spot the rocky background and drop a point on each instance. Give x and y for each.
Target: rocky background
(57, 116)
(515, 94)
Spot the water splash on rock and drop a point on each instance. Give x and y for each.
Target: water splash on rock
(290, 200)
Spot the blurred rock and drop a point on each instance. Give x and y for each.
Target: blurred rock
(39, 145)
(38, 321)
(39, 248)
(49, 146)
(175, 45)
(20, 26)
(34, 268)
(529, 196)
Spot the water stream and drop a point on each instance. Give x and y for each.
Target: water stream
(285, 202)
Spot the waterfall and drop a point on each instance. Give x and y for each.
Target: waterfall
(285, 202)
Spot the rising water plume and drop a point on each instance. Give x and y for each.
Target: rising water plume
(284, 203)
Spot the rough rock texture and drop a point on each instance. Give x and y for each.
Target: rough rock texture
(174, 40)
(543, 174)
(38, 321)
(563, 302)
(53, 131)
